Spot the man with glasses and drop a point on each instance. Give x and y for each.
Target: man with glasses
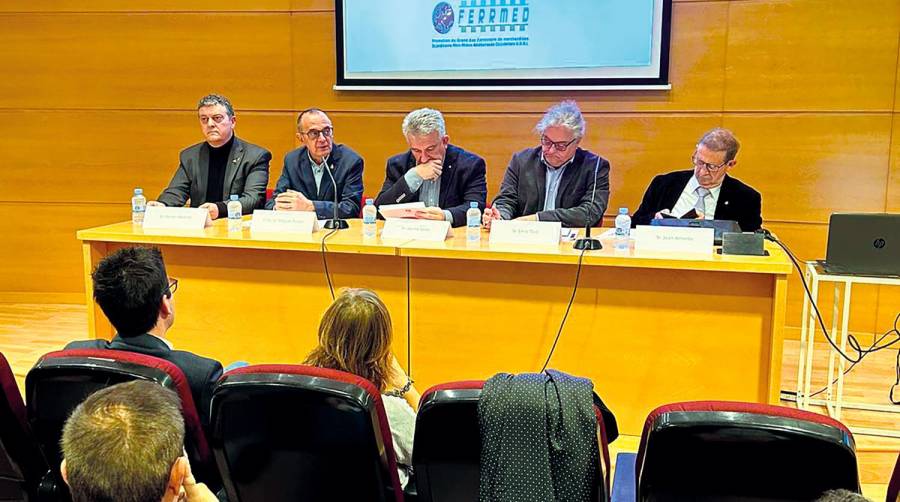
(136, 295)
(444, 177)
(223, 165)
(706, 191)
(556, 181)
(310, 173)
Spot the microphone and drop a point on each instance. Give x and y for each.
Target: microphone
(335, 223)
(586, 242)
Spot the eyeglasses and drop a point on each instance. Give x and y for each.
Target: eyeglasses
(215, 118)
(709, 167)
(560, 146)
(173, 286)
(314, 134)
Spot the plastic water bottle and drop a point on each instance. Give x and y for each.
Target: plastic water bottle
(138, 207)
(369, 212)
(623, 229)
(473, 224)
(235, 223)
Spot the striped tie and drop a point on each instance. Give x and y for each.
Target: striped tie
(700, 206)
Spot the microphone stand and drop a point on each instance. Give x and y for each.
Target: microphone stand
(335, 223)
(587, 242)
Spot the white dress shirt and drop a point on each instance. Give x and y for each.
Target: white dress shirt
(689, 197)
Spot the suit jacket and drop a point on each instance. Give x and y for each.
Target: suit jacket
(737, 201)
(462, 181)
(524, 187)
(347, 169)
(246, 174)
(201, 373)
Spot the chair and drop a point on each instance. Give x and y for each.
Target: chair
(893, 491)
(715, 450)
(292, 432)
(21, 463)
(447, 447)
(61, 380)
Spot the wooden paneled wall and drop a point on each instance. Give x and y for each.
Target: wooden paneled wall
(97, 96)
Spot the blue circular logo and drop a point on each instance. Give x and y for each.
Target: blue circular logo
(442, 18)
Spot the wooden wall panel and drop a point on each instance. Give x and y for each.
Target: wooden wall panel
(144, 61)
(306, 5)
(812, 55)
(112, 151)
(40, 252)
(810, 165)
(893, 187)
(146, 5)
(697, 74)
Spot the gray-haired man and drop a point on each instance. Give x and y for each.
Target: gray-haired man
(555, 181)
(223, 165)
(443, 176)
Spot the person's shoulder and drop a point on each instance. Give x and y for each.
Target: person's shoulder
(345, 154)
(737, 185)
(674, 177)
(590, 159)
(465, 157)
(192, 150)
(527, 156)
(251, 148)
(399, 159)
(194, 359)
(86, 344)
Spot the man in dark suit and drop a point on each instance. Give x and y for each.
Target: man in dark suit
(223, 165)
(310, 173)
(707, 190)
(443, 176)
(557, 181)
(135, 294)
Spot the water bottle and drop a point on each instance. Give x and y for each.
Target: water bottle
(369, 212)
(235, 223)
(623, 229)
(138, 207)
(473, 224)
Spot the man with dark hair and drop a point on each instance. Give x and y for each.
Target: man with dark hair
(305, 185)
(126, 443)
(705, 191)
(223, 165)
(135, 294)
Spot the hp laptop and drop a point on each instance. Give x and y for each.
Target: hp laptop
(863, 244)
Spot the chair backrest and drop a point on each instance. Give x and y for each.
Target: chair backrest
(294, 432)
(21, 463)
(893, 491)
(717, 450)
(447, 447)
(61, 380)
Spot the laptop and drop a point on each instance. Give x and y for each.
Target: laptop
(863, 244)
(719, 226)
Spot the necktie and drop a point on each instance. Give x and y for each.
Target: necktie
(700, 206)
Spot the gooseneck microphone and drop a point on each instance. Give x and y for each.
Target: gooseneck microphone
(586, 242)
(334, 223)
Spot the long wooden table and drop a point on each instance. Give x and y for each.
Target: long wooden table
(648, 329)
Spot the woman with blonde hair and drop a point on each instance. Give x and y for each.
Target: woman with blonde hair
(355, 336)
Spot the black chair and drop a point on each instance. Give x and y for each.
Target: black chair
(726, 451)
(293, 433)
(893, 491)
(61, 380)
(447, 447)
(21, 464)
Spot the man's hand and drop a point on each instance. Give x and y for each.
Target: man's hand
(192, 491)
(490, 214)
(530, 217)
(155, 203)
(293, 200)
(430, 170)
(430, 213)
(212, 208)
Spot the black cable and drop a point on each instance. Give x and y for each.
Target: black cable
(325, 262)
(568, 307)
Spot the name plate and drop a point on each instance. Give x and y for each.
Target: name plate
(420, 230)
(175, 218)
(673, 239)
(290, 222)
(525, 232)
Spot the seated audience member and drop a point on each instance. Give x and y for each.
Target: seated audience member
(707, 190)
(305, 186)
(136, 295)
(209, 173)
(556, 180)
(355, 336)
(126, 443)
(841, 496)
(444, 177)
